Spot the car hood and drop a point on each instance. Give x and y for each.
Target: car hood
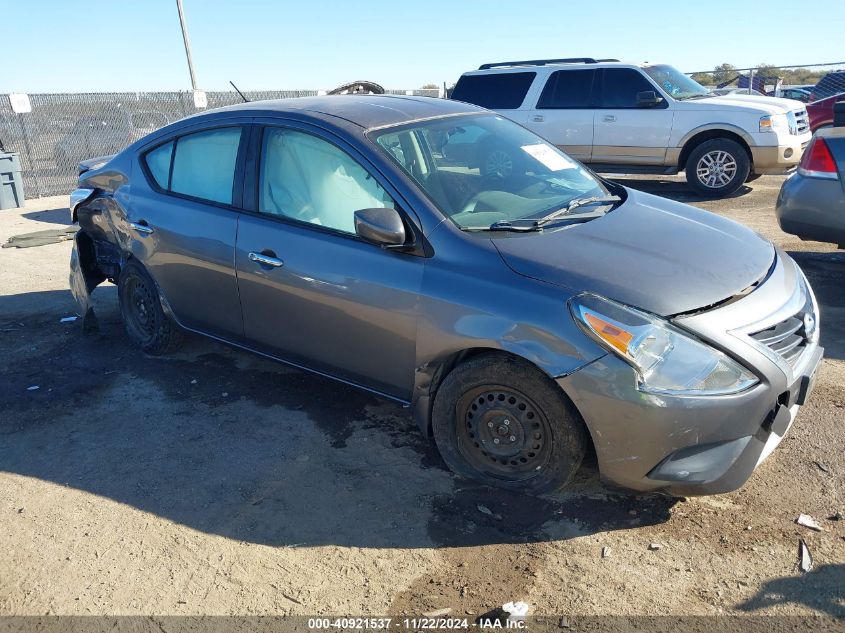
(655, 254)
(768, 105)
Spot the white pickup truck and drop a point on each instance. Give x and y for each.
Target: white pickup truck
(649, 118)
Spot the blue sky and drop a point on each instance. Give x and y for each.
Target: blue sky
(113, 45)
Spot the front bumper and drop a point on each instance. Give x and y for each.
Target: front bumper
(780, 159)
(693, 445)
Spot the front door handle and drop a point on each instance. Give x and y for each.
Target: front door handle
(609, 118)
(266, 259)
(142, 227)
(538, 118)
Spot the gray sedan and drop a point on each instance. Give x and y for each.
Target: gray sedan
(523, 317)
(811, 203)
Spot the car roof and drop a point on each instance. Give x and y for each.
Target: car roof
(553, 66)
(366, 111)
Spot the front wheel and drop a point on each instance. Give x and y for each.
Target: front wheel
(717, 167)
(501, 422)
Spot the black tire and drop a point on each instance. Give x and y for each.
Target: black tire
(727, 171)
(146, 324)
(542, 438)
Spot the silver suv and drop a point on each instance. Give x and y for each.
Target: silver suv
(648, 118)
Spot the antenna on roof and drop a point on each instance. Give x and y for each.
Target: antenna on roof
(238, 91)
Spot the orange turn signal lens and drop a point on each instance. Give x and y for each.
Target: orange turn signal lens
(613, 335)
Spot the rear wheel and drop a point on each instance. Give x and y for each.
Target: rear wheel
(501, 422)
(717, 167)
(146, 323)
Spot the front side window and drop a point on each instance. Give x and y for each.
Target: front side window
(621, 86)
(568, 89)
(499, 91)
(204, 164)
(484, 169)
(305, 178)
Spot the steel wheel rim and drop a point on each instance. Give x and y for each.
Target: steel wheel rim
(503, 433)
(499, 164)
(141, 311)
(716, 169)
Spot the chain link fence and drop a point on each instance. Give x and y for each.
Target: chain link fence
(806, 83)
(63, 129)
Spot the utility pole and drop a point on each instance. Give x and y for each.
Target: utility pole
(187, 44)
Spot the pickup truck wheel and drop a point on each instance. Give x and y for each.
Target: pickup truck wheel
(501, 422)
(717, 167)
(146, 323)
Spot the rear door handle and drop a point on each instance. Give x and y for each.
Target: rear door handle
(537, 118)
(609, 118)
(142, 227)
(267, 260)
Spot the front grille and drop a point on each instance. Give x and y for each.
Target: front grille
(788, 339)
(802, 122)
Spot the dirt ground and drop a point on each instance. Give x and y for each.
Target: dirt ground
(216, 482)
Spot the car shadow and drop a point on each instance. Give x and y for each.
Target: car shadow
(230, 444)
(826, 274)
(823, 589)
(50, 216)
(677, 190)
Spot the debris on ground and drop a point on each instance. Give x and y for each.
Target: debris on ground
(563, 623)
(654, 546)
(33, 388)
(194, 381)
(485, 510)
(438, 612)
(821, 466)
(809, 522)
(516, 611)
(605, 552)
(40, 238)
(68, 319)
(835, 517)
(805, 558)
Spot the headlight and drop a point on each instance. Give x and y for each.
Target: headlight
(774, 123)
(666, 359)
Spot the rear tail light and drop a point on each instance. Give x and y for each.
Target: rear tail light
(817, 161)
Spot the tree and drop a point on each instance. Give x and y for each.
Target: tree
(724, 73)
(705, 79)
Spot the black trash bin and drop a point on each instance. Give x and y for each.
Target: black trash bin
(11, 183)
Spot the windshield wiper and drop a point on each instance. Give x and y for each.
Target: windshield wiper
(574, 204)
(504, 225)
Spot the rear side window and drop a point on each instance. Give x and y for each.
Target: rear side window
(620, 87)
(502, 91)
(567, 89)
(158, 162)
(204, 164)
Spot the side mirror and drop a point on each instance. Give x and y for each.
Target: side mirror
(382, 226)
(648, 99)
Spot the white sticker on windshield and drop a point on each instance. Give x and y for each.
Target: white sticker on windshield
(551, 159)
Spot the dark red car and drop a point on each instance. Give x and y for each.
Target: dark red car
(821, 111)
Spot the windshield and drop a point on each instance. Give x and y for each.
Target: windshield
(483, 169)
(676, 83)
